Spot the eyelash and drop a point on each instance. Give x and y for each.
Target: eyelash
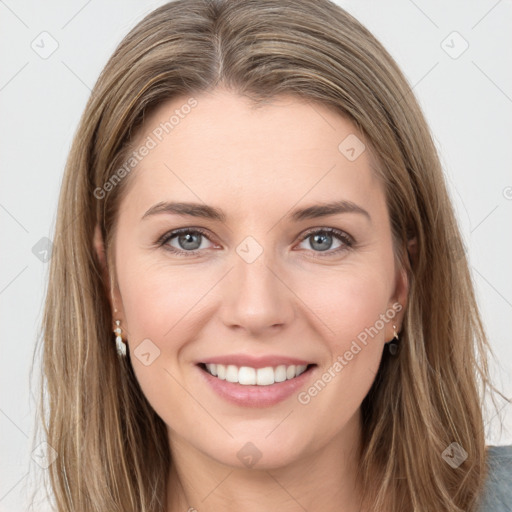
(347, 240)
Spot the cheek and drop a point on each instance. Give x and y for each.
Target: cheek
(354, 311)
(162, 304)
(159, 300)
(351, 309)
(350, 303)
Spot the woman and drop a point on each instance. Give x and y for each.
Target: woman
(258, 296)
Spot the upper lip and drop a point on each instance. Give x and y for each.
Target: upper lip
(254, 361)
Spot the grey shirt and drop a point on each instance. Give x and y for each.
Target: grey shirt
(497, 495)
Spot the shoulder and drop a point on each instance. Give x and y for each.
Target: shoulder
(497, 494)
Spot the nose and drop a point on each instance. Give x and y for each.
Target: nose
(256, 297)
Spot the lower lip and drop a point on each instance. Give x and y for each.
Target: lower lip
(256, 396)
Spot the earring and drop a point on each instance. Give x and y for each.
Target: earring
(392, 345)
(121, 346)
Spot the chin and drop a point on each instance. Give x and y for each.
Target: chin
(259, 450)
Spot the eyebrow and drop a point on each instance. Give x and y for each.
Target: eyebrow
(210, 212)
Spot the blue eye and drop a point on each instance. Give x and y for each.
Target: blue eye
(189, 241)
(321, 240)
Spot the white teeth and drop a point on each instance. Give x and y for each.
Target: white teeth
(300, 369)
(265, 376)
(212, 368)
(280, 373)
(248, 376)
(232, 373)
(221, 371)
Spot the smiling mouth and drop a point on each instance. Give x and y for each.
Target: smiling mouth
(248, 376)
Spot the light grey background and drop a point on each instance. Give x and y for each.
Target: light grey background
(467, 101)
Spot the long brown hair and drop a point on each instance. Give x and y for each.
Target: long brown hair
(113, 453)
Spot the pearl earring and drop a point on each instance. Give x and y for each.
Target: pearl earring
(121, 346)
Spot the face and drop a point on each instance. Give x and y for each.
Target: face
(288, 303)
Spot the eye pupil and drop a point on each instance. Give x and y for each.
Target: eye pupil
(189, 239)
(321, 238)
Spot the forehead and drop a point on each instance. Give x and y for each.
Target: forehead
(219, 146)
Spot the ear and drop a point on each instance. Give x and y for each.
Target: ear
(401, 292)
(109, 281)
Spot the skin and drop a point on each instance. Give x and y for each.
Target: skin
(256, 165)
